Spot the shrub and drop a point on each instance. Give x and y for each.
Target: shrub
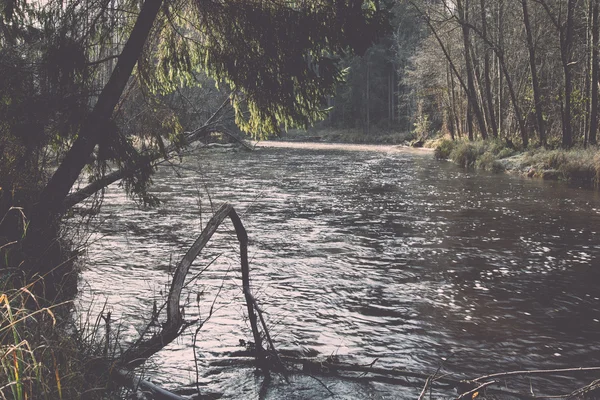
(422, 127)
(465, 154)
(488, 161)
(555, 159)
(443, 149)
(579, 166)
(505, 153)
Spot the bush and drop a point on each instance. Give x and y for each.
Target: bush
(443, 149)
(505, 153)
(575, 165)
(465, 154)
(488, 161)
(579, 166)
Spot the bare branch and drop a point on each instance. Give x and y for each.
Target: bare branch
(536, 372)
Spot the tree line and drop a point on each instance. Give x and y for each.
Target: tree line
(521, 70)
(526, 70)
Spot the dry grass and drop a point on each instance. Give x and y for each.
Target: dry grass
(479, 154)
(577, 165)
(42, 354)
(574, 165)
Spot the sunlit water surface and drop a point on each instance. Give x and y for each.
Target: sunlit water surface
(368, 253)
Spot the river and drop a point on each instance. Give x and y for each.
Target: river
(366, 252)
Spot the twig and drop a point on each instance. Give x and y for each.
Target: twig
(582, 391)
(536, 372)
(369, 365)
(379, 371)
(472, 391)
(323, 384)
(424, 391)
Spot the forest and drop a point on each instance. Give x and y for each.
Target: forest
(98, 95)
(525, 71)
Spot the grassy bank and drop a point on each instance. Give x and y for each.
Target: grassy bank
(577, 165)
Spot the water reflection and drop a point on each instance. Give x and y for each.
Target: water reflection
(385, 255)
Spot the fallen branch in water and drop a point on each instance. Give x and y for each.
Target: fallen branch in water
(138, 353)
(136, 383)
(594, 386)
(327, 366)
(424, 391)
(536, 372)
(472, 392)
(145, 346)
(465, 388)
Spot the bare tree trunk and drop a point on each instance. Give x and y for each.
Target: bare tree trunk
(393, 94)
(509, 83)
(368, 105)
(452, 121)
(586, 76)
(463, 12)
(537, 98)
(451, 64)
(593, 126)
(486, 73)
(565, 55)
(514, 101)
(500, 78)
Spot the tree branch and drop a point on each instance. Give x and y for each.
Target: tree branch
(144, 348)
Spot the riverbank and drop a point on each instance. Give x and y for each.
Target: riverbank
(341, 146)
(356, 136)
(577, 165)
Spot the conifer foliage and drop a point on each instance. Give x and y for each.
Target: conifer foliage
(72, 68)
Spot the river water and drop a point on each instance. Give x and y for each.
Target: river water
(368, 253)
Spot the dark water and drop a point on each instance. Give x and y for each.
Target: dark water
(367, 255)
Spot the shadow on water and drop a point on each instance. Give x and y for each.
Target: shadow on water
(364, 254)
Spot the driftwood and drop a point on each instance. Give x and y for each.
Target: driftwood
(537, 372)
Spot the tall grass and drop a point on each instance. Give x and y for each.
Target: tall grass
(21, 367)
(574, 165)
(478, 154)
(43, 355)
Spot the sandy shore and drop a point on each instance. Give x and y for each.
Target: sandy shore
(341, 146)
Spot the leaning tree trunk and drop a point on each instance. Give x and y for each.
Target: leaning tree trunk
(44, 215)
(95, 124)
